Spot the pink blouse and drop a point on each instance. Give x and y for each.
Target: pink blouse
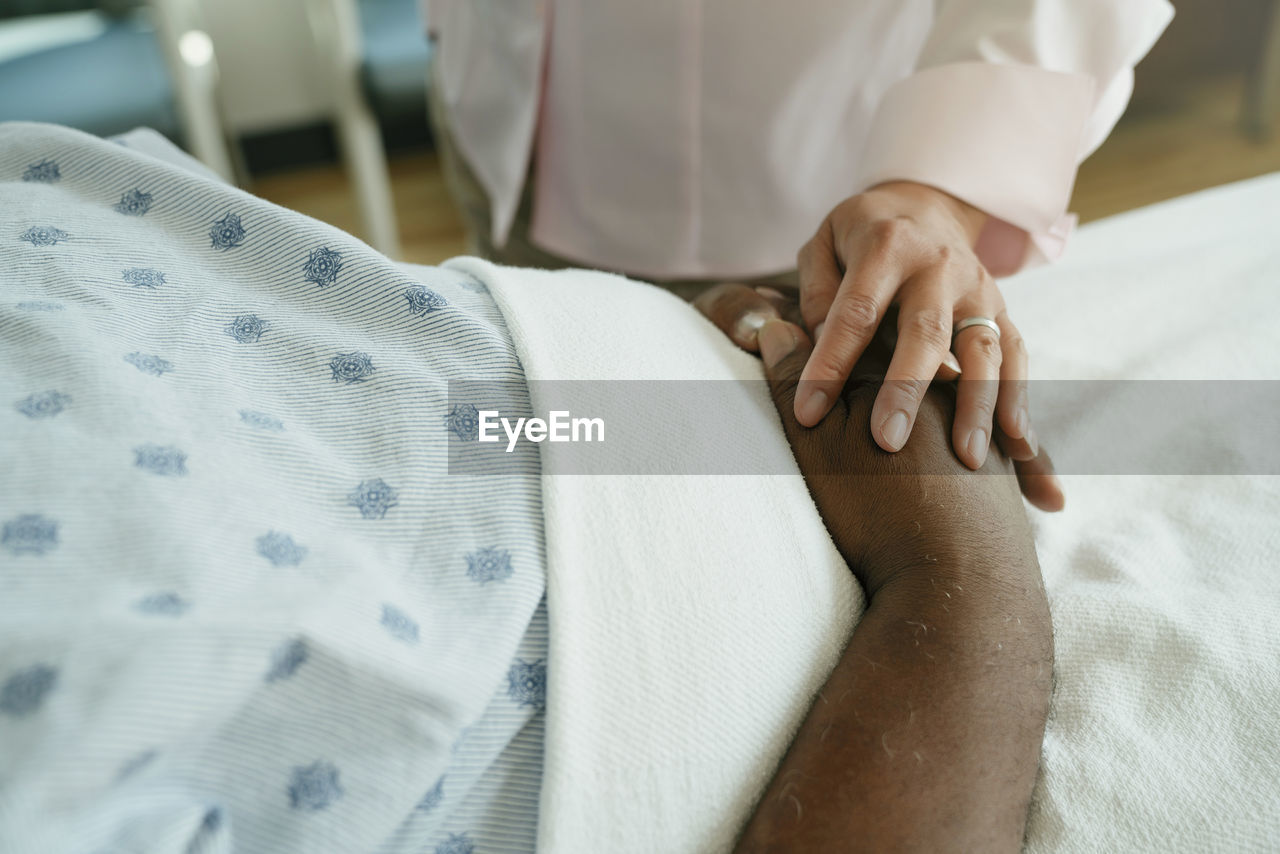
(709, 138)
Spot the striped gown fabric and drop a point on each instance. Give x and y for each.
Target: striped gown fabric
(244, 604)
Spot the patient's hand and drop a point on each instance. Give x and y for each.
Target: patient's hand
(740, 312)
(893, 513)
(926, 736)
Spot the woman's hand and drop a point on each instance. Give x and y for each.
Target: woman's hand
(740, 312)
(911, 245)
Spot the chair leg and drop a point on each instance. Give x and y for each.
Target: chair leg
(1262, 101)
(362, 148)
(336, 27)
(194, 70)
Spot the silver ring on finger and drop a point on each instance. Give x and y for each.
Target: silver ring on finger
(974, 321)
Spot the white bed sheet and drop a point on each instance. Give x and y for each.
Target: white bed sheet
(1164, 733)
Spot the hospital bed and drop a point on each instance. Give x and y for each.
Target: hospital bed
(692, 618)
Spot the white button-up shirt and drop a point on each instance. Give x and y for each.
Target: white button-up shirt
(709, 138)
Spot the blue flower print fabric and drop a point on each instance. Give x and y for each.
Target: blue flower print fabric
(244, 604)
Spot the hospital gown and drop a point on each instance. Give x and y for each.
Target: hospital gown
(247, 602)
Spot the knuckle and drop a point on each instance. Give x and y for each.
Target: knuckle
(857, 206)
(859, 315)
(826, 365)
(907, 392)
(931, 326)
(985, 345)
(983, 403)
(709, 301)
(890, 232)
(725, 298)
(727, 304)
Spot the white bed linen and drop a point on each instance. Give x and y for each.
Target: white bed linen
(693, 617)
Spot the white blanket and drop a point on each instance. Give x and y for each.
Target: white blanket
(693, 617)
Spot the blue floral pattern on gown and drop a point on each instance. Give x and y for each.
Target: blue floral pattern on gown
(44, 172)
(373, 497)
(26, 691)
(247, 328)
(261, 420)
(351, 368)
(433, 797)
(457, 843)
(399, 625)
(286, 660)
(43, 404)
(314, 787)
(323, 266)
(166, 604)
(227, 233)
(463, 421)
(164, 460)
(136, 764)
(44, 235)
(527, 683)
(423, 300)
(280, 549)
(134, 203)
(30, 533)
(149, 364)
(487, 565)
(144, 277)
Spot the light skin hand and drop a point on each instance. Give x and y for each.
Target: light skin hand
(910, 245)
(740, 311)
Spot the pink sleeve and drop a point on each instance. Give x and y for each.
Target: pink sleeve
(1010, 97)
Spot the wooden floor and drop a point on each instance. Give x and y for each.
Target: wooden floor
(1151, 156)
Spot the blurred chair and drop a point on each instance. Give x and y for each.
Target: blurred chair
(375, 53)
(1262, 98)
(109, 66)
(394, 58)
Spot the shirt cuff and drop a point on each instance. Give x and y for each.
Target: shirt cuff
(1004, 138)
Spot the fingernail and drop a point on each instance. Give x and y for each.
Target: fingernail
(769, 293)
(744, 331)
(951, 361)
(1033, 441)
(777, 341)
(1020, 422)
(978, 446)
(812, 407)
(894, 430)
(817, 331)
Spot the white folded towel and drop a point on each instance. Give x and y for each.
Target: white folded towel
(693, 616)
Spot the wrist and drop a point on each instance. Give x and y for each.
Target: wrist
(971, 219)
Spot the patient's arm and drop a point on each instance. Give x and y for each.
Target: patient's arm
(926, 736)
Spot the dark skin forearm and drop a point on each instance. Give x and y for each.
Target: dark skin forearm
(926, 737)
